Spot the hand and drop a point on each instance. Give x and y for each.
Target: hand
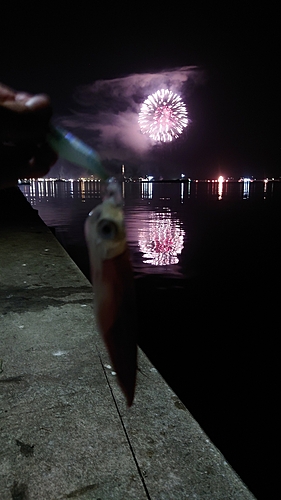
(24, 122)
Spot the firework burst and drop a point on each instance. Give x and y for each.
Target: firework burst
(163, 116)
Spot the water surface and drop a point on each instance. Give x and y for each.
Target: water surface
(206, 259)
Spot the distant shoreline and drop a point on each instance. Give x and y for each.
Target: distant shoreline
(188, 180)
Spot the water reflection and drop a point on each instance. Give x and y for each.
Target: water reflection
(159, 215)
(182, 192)
(246, 189)
(185, 186)
(36, 190)
(268, 188)
(162, 239)
(146, 190)
(220, 187)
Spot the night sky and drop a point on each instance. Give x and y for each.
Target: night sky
(233, 104)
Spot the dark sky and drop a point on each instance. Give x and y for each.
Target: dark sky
(234, 114)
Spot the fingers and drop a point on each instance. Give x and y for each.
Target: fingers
(18, 100)
(25, 103)
(23, 117)
(38, 102)
(6, 93)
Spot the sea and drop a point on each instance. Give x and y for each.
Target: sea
(206, 260)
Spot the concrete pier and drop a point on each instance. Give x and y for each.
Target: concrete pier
(65, 430)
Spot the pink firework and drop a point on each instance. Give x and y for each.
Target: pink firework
(163, 116)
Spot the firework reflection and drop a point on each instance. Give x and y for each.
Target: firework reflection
(162, 240)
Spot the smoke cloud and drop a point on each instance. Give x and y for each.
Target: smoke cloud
(107, 111)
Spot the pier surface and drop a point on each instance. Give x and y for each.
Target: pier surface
(65, 430)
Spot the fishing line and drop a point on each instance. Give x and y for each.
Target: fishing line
(125, 431)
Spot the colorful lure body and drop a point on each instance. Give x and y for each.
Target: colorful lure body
(111, 271)
(69, 147)
(112, 279)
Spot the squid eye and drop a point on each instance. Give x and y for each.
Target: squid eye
(107, 229)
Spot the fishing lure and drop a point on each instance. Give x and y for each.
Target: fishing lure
(111, 271)
(113, 284)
